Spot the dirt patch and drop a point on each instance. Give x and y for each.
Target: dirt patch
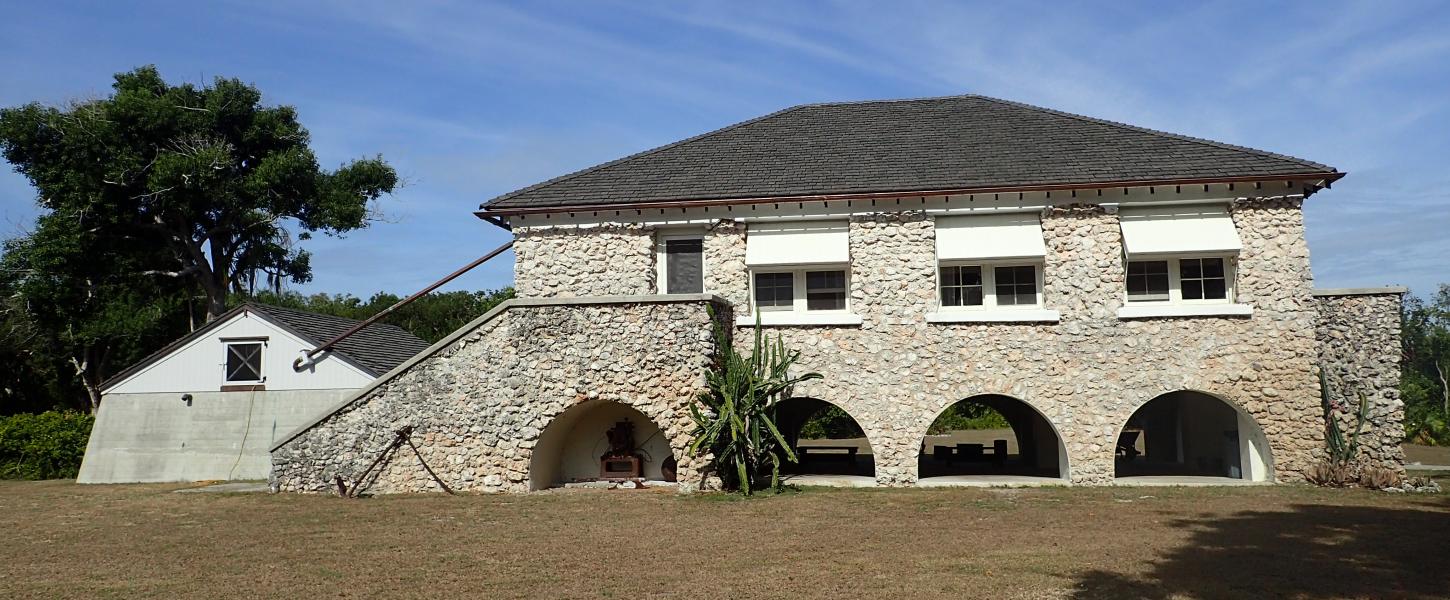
(65, 540)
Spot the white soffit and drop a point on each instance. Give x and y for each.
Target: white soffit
(797, 243)
(992, 236)
(1178, 229)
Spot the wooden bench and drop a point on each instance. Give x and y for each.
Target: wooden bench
(849, 452)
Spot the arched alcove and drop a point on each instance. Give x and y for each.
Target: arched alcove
(991, 439)
(1188, 437)
(830, 445)
(571, 446)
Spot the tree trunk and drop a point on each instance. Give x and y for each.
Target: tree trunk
(1444, 390)
(88, 370)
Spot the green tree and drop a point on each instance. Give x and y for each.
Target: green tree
(431, 317)
(1425, 374)
(80, 302)
(207, 173)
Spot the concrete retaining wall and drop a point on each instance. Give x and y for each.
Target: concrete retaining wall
(221, 435)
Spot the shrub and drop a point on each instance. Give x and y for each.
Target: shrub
(830, 423)
(46, 445)
(1331, 473)
(1378, 478)
(735, 417)
(967, 415)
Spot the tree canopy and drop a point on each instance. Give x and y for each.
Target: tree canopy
(208, 173)
(1425, 377)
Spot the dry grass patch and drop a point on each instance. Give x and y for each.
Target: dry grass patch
(66, 540)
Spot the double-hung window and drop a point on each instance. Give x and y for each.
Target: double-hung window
(681, 260)
(1180, 262)
(799, 273)
(990, 269)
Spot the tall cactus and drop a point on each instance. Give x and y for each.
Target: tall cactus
(1341, 450)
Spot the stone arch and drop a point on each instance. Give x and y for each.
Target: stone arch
(1195, 429)
(792, 414)
(1041, 450)
(570, 442)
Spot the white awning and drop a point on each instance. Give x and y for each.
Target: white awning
(989, 236)
(797, 243)
(1178, 230)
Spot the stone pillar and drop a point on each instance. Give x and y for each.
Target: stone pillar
(1084, 281)
(1359, 350)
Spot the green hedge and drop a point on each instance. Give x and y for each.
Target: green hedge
(47, 445)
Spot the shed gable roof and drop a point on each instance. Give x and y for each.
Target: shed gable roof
(956, 142)
(374, 350)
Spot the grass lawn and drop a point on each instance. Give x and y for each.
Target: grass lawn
(65, 540)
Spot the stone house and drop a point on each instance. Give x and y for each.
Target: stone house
(1133, 303)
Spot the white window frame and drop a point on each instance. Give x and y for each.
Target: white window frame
(662, 282)
(989, 311)
(989, 284)
(1175, 283)
(798, 314)
(261, 360)
(798, 288)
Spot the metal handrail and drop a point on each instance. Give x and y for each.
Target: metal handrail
(306, 360)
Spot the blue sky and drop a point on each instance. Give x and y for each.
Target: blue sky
(469, 100)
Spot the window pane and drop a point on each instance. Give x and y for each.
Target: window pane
(1192, 289)
(825, 290)
(1212, 267)
(244, 362)
(825, 280)
(684, 266)
(774, 291)
(951, 276)
(1215, 289)
(1190, 268)
(972, 296)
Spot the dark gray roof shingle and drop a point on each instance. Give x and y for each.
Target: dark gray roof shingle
(376, 348)
(956, 142)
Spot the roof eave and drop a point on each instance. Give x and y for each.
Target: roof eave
(1325, 179)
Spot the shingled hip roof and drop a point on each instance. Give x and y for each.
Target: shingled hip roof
(951, 143)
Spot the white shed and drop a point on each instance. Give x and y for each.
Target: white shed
(209, 405)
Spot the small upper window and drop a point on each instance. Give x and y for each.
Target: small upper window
(684, 265)
(244, 361)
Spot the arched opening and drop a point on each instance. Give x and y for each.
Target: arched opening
(1188, 437)
(991, 440)
(830, 446)
(575, 446)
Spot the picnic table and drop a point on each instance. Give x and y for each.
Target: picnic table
(972, 453)
(849, 452)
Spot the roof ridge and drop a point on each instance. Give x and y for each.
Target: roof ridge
(640, 154)
(1157, 132)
